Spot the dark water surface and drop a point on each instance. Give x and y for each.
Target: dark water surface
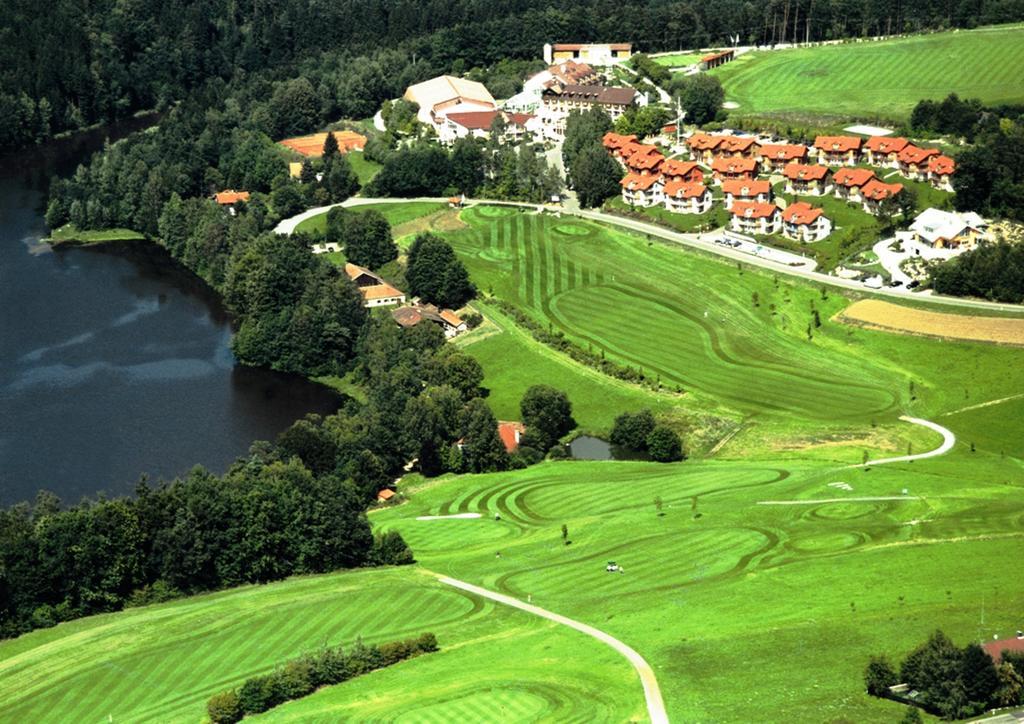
(586, 447)
(115, 361)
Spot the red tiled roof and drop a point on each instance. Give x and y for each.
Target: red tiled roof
(913, 154)
(734, 165)
(482, 120)
(716, 56)
(753, 210)
(507, 432)
(633, 148)
(803, 172)
(995, 649)
(677, 167)
(613, 141)
(878, 190)
(703, 142)
(801, 213)
(671, 128)
(636, 182)
(385, 495)
(942, 165)
(748, 189)
(229, 197)
(783, 151)
(851, 177)
(735, 144)
(645, 161)
(885, 144)
(837, 143)
(451, 317)
(685, 189)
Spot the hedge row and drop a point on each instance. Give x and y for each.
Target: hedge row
(558, 341)
(301, 677)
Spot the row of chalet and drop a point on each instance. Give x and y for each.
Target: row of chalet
(678, 185)
(913, 162)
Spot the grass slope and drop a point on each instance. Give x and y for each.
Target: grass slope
(396, 214)
(71, 234)
(883, 79)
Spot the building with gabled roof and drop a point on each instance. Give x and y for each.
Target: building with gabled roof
(640, 190)
(687, 197)
(949, 229)
(725, 169)
(510, 433)
(883, 150)
(807, 179)
(645, 161)
(756, 190)
(446, 94)
(713, 60)
(557, 101)
(615, 142)
(376, 292)
(940, 172)
(848, 182)
(674, 169)
(806, 223)
(838, 150)
(592, 53)
(913, 161)
(703, 147)
(449, 322)
(776, 156)
(743, 146)
(875, 191)
(478, 124)
(750, 217)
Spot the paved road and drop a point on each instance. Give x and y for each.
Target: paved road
(704, 242)
(652, 692)
(948, 441)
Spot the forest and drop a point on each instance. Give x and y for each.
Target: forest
(79, 64)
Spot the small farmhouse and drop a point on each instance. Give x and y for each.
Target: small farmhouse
(837, 150)
(227, 199)
(687, 197)
(510, 434)
(640, 190)
(754, 218)
(385, 495)
(807, 180)
(803, 222)
(376, 292)
(449, 322)
(758, 190)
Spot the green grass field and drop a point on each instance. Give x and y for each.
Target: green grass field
(396, 214)
(678, 60)
(745, 610)
(364, 168)
(883, 79)
(70, 234)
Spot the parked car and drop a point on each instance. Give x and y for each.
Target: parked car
(895, 283)
(913, 284)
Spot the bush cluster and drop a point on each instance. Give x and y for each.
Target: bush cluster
(640, 432)
(301, 677)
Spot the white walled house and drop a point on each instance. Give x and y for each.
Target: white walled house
(757, 190)
(640, 190)
(807, 179)
(754, 218)
(687, 197)
(803, 222)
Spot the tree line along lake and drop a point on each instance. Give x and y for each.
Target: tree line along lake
(114, 360)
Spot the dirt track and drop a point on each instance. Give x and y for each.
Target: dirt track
(876, 314)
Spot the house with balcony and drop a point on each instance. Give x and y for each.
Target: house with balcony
(557, 101)
(687, 197)
(807, 179)
(738, 146)
(875, 192)
(949, 229)
(883, 151)
(740, 169)
(837, 150)
(913, 161)
(754, 218)
(703, 147)
(640, 190)
(642, 159)
(806, 223)
(675, 169)
(614, 143)
(759, 191)
(774, 157)
(848, 182)
(940, 172)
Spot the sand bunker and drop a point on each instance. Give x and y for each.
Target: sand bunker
(456, 516)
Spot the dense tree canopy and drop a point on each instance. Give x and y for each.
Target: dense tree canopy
(436, 275)
(700, 96)
(547, 415)
(991, 271)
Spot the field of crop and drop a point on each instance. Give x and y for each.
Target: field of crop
(877, 314)
(881, 79)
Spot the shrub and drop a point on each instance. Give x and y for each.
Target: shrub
(631, 430)
(224, 708)
(390, 549)
(879, 676)
(664, 445)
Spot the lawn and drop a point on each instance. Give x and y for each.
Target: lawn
(364, 168)
(686, 223)
(70, 234)
(745, 610)
(678, 60)
(396, 214)
(882, 79)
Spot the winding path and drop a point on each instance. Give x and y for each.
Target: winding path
(948, 441)
(652, 692)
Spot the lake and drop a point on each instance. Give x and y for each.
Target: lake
(114, 360)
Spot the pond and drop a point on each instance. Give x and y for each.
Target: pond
(587, 447)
